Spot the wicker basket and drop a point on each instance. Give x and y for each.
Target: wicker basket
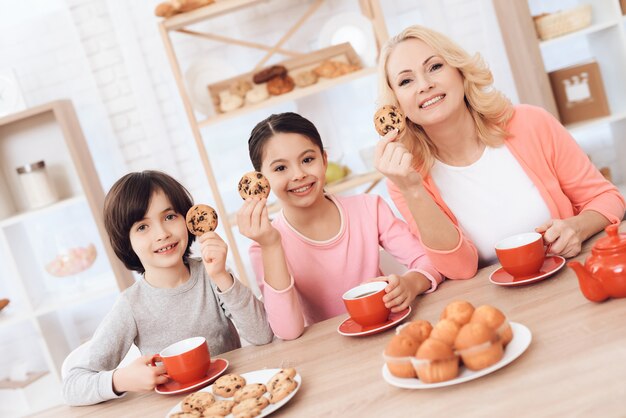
(556, 24)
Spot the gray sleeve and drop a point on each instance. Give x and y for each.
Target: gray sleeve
(247, 313)
(89, 379)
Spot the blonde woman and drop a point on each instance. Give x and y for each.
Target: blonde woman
(471, 168)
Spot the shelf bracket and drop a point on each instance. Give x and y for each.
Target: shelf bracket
(316, 5)
(233, 41)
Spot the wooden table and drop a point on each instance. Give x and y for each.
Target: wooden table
(575, 365)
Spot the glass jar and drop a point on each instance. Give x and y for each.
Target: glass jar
(36, 185)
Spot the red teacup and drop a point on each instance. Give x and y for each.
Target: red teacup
(185, 361)
(365, 303)
(522, 254)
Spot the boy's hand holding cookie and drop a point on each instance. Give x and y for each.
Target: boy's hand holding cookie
(214, 251)
(139, 376)
(253, 222)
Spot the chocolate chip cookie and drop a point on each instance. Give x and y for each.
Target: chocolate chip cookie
(197, 402)
(388, 118)
(282, 375)
(200, 219)
(228, 384)
(252, 390)
(221, 407)
(253, 184)
(282, 390)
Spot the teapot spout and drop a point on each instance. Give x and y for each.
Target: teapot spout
(589, 285)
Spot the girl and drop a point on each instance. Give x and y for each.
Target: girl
(178, 297)
(472, 169)
(319, 245)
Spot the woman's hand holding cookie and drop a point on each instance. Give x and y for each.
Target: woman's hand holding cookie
(214, 251)
(394, 161)
(253, 222)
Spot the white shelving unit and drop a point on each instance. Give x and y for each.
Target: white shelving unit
(604, 41)
(184, 24)
(39, 327)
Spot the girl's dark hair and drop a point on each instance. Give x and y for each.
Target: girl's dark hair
(127, 202)
(287, 123)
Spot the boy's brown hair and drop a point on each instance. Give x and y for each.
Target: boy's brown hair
(127, 202)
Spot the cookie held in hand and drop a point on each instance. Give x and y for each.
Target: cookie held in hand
(253, 184)
(200, 219)
(388, 118)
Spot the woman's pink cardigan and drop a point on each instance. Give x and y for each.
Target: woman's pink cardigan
(565, 177)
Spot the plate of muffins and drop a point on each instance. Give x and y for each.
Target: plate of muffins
(465, 344)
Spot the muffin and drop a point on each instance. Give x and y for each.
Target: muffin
(398, 356)
(478, 345)
(460, 311)
(436, 362)
(494, 319)
(445, 331)
(419, 330)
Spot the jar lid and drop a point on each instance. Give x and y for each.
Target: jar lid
(28, 168)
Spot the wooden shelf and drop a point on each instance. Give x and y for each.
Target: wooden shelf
(588, 30)
(220, 7)
(297, 93)
(340, 186)
(12, 384)
(370, 9)
(57, 301)
(9, 316)
(19, 217)
(597, 121)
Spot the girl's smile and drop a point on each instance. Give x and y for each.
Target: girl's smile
(303, 190)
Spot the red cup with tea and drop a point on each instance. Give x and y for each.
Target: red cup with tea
(365, 303)
(185, 361)
(522, 254)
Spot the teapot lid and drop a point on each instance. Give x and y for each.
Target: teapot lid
(613, 241)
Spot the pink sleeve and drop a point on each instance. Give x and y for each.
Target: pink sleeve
(460, 262)
(396, 238)
(283, 309)
(579, 179)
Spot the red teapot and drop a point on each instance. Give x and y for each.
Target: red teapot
(604, 273)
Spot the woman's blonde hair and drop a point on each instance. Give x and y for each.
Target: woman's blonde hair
(489, 108)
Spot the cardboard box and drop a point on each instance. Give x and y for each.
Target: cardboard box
(579, 92)
(623, 4)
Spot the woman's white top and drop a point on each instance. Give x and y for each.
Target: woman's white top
(492, 199)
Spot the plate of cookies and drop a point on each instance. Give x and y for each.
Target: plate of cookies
(252, 394)
(466, 343)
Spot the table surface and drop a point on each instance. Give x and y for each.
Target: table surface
(574, 366)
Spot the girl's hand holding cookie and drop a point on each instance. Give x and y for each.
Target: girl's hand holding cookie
(253, 222)
(214, 251)
(139, 376)
(394, 161)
